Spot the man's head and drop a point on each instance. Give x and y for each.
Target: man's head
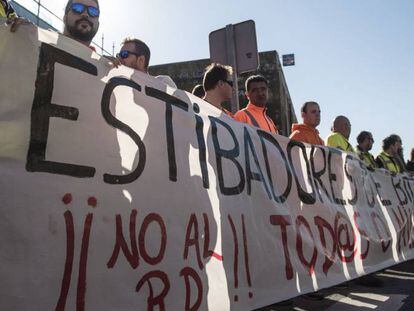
(135, 54)
(365, 141)
(198, 91)
(399, 142)
(311, 114)
(391, 145)
(256, 90)
(342, 125)
(81, 20)
(218, 80)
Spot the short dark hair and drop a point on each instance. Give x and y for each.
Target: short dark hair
(304, 107)
(396, 137)
(68, 5)
(141, 48)
(255, 78)
(389, 141)
(198, 91)
(214, 73)
(362, 136)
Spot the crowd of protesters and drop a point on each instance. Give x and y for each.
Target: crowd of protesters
(217, 88)
(81, 23)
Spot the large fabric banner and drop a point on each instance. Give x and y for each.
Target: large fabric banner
(118, 192)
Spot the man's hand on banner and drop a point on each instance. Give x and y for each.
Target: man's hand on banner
(15, 22)
(114, 62)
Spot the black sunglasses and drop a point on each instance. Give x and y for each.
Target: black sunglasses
(125, 54)
(79, 8)
(229, 82)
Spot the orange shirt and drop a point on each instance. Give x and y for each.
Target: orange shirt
(306, 134)
(227, 113)
(256, 116)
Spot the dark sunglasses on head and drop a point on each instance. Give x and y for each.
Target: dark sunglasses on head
(229, 82)
(126, 53)
(79, 8)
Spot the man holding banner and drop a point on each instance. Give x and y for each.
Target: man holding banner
(255, 111)
(218, 86)
(365, 141)
(216, 215)
(387, 158)
(307, 132)
(135, 54)
(81, 20)
(341, 129)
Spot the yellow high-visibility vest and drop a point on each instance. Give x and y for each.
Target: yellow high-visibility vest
(2, 11)
(367, 158)
(6, 10)
(388, 162)
(337, 140)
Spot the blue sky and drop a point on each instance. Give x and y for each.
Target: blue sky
(354, 57)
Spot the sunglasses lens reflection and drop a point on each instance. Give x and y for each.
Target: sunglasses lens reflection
(78, 8)
(124, 54)
(93, 12)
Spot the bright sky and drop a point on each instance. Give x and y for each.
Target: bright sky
(354, 57)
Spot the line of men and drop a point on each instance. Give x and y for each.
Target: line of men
(390, 158)
(81, 23)
(217, 88)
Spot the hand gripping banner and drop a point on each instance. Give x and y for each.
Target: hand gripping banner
(119, 192)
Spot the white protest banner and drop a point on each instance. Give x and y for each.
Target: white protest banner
(121, 193)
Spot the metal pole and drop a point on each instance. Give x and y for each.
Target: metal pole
(102, 46)
(232, 61)
(38, 13)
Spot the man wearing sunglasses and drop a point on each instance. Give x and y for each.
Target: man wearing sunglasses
(136, 54)
(81, 20)
(218, 85)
